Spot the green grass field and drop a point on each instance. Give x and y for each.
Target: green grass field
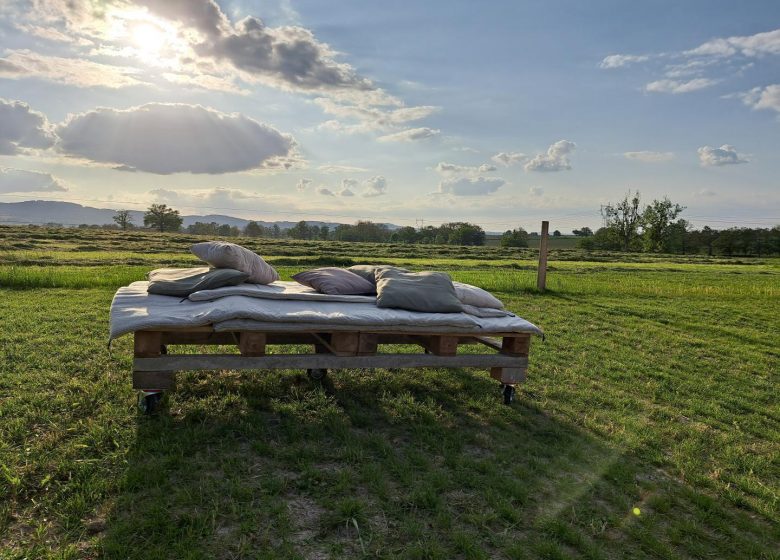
(649, 426)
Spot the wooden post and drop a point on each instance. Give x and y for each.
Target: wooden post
(541, 274)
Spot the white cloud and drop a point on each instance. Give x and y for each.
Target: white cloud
(346, 192)
(410, 135)
(303, 184)
(324, 191)
(621, 60)
(508, 159)
(22, 128)
(73, 71)
(677, 86)
(763, 98)
(375, 186)
(332, 168)
(453, 169)
(536, 191)
(725, 155)
(766, 43)
(466, 186)
(175, 138)
(649, 156)
(556, 158)
(705, 192)
(371, 117)
(21, 180)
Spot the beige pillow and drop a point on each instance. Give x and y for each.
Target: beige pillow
(221, 254)
(429, 292)
(472, 295)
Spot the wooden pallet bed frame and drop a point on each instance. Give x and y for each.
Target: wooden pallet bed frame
(154, 369)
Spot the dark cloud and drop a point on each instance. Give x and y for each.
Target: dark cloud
(174, 138)
(21, 127)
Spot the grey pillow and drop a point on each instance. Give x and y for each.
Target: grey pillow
(335, 281)
(182, 282)
(431, 292)
(221, 254)
(368, 271)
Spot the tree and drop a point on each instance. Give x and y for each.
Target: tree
(276, 231)
(299, 230)
(624, 219)
(657, 221)
(253, 229)
(556, 233)
(583, 232)
(514, 238)
(324, 232)
(123, 219)
(406, 234)
(162, 218)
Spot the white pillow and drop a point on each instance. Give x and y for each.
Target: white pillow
(222, 254)
(471, 295)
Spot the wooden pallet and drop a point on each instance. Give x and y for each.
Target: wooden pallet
(154, 368)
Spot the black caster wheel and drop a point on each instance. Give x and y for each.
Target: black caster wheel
(509, 394)
(317, 374)
(149, 403)
(163, 349)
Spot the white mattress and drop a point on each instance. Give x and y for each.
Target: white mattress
(134, 309)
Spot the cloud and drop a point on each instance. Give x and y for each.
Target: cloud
(410, 135)
(508, 159)
(73, 71)
(725, 155)
(331, 168)
(677, 86)
(705, 192)
(451, 169)
(303, 184)
(763, 98)
(760, 44)
(22, 128)
(621, 60)
(466, 186)
(556, 158)
(324, 191)
(649, 157)
(375, 186)
(371, 117)
(175, 138)
(535, 191)
(21, 180)
(346, 192)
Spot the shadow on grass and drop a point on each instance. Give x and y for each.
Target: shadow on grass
(384, 463)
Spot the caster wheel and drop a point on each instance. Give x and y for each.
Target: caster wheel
(149, 403)
(509, 394)
(163, 349)
(317, 374)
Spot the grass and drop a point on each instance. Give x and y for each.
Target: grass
(656, 389)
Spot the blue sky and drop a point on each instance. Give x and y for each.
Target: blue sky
(500, 113)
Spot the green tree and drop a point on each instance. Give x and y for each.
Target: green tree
(299, 231)
(657, 223)
(624, 219)
(162, 218)
(514, 238)
(406, 234)
(583, 232)
(325, 233)
(557, 233)
(123, 219)
(253, 229)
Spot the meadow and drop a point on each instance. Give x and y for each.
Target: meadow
(649, 426)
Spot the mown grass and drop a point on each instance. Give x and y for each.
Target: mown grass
(656, 389)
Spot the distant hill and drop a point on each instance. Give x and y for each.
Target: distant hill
(70, 214)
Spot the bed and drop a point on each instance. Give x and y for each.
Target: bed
(261, 321)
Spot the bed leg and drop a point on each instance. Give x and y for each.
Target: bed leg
(149, 401)
(509, 377)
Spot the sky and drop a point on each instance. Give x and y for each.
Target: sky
(501, 113)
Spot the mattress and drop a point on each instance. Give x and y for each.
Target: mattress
(133, 309)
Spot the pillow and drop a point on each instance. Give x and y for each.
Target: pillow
(430, 292)
(331, 280)
(368, 271)
(472, 295)
(184, 281)
(221, 254)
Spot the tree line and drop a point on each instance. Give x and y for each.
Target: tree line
(657, 228)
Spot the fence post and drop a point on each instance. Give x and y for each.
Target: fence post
(541, 274)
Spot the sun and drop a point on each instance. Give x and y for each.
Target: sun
(148, 38)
